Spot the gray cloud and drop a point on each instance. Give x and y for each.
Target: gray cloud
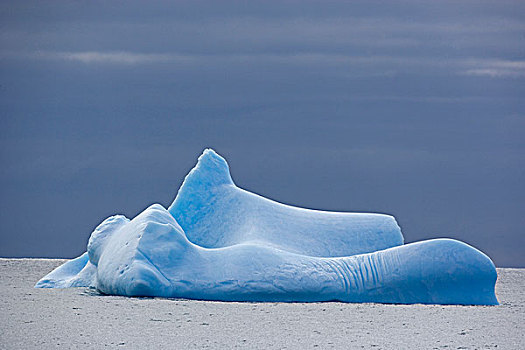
(388, 65)
(414, 109)
(497, 68)
(111, 57)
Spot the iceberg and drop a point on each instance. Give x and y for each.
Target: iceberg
(219, 242)
(215, 213)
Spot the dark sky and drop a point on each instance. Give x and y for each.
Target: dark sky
(415, 109)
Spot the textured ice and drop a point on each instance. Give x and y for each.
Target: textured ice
(219, 242)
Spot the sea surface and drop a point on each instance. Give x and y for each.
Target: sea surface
(81, 318)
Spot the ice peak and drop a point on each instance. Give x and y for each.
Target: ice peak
(211, 169)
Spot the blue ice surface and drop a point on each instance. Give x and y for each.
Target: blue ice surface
(219, 242)
(214, 213)
(78, 272)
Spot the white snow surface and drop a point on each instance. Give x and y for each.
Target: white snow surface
(82, 318)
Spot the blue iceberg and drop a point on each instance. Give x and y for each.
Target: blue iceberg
(215, 213)
(219, 242)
